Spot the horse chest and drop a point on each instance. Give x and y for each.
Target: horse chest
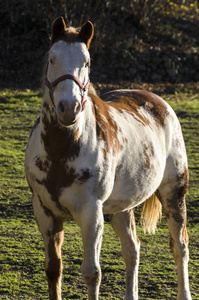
(69, 179)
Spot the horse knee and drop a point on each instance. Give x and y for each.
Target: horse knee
(131, 251)
(54, 269)
(92, 276)
(179, 248)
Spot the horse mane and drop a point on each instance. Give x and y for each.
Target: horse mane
(92, 90)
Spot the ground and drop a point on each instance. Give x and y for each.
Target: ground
(22, 273)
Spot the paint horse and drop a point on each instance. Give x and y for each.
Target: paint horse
(88, 156)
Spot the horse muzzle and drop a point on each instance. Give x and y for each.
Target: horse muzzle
(67, 113)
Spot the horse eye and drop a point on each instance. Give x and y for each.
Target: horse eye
(51, 60)
(87, 64)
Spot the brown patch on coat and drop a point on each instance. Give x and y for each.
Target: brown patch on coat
(122, 101)
(148, 153)
(76, 135)
(172, 244)
(177, 203)
(42, 165)
(46, 210)
(55, 236)
(61, 145)
(60, 176)
(54, 266)
(185, 235)
(134, 100)
(133, 224)
(59, 142)
(176, 206)
(147, 164)
(183, 180)
(104, 155)
(106, 127)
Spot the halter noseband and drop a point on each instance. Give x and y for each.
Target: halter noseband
(52, 85)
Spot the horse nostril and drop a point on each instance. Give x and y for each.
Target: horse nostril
(67, 112)
(62, 108)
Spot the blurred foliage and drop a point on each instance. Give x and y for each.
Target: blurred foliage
(24, 16)
(120, 26)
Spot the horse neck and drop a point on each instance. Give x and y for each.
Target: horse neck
(58, 142)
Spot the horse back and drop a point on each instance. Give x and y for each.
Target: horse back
(136, 100)
(157, 122)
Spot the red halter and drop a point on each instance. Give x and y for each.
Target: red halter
(53, 84)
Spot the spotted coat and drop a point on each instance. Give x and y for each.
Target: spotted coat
(105, 158)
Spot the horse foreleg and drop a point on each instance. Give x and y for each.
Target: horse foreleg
(51, 229)
(124, 225)
(91, 223)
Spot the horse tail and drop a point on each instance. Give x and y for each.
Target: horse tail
(150, 214)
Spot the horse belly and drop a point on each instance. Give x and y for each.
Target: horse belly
(129, 193)
(136, 180)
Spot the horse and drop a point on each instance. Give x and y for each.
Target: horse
(88, 156)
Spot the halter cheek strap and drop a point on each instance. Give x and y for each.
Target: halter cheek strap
(52, 85)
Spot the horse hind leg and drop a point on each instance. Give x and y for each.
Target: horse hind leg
(124, 225)
(171, 193)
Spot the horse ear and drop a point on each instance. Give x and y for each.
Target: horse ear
(86, 33)
(58, 29)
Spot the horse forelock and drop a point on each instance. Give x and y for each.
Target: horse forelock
(70, 35)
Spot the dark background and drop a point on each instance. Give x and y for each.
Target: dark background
(137, 41)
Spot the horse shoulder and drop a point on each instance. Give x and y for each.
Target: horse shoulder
(106, 127)
(36, 158)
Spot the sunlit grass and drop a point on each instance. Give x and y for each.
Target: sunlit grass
(22, 273)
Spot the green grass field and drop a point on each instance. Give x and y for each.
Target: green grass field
(22, 273)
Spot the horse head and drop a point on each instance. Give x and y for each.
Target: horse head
(67, 71)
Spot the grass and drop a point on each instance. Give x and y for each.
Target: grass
(22, 273)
